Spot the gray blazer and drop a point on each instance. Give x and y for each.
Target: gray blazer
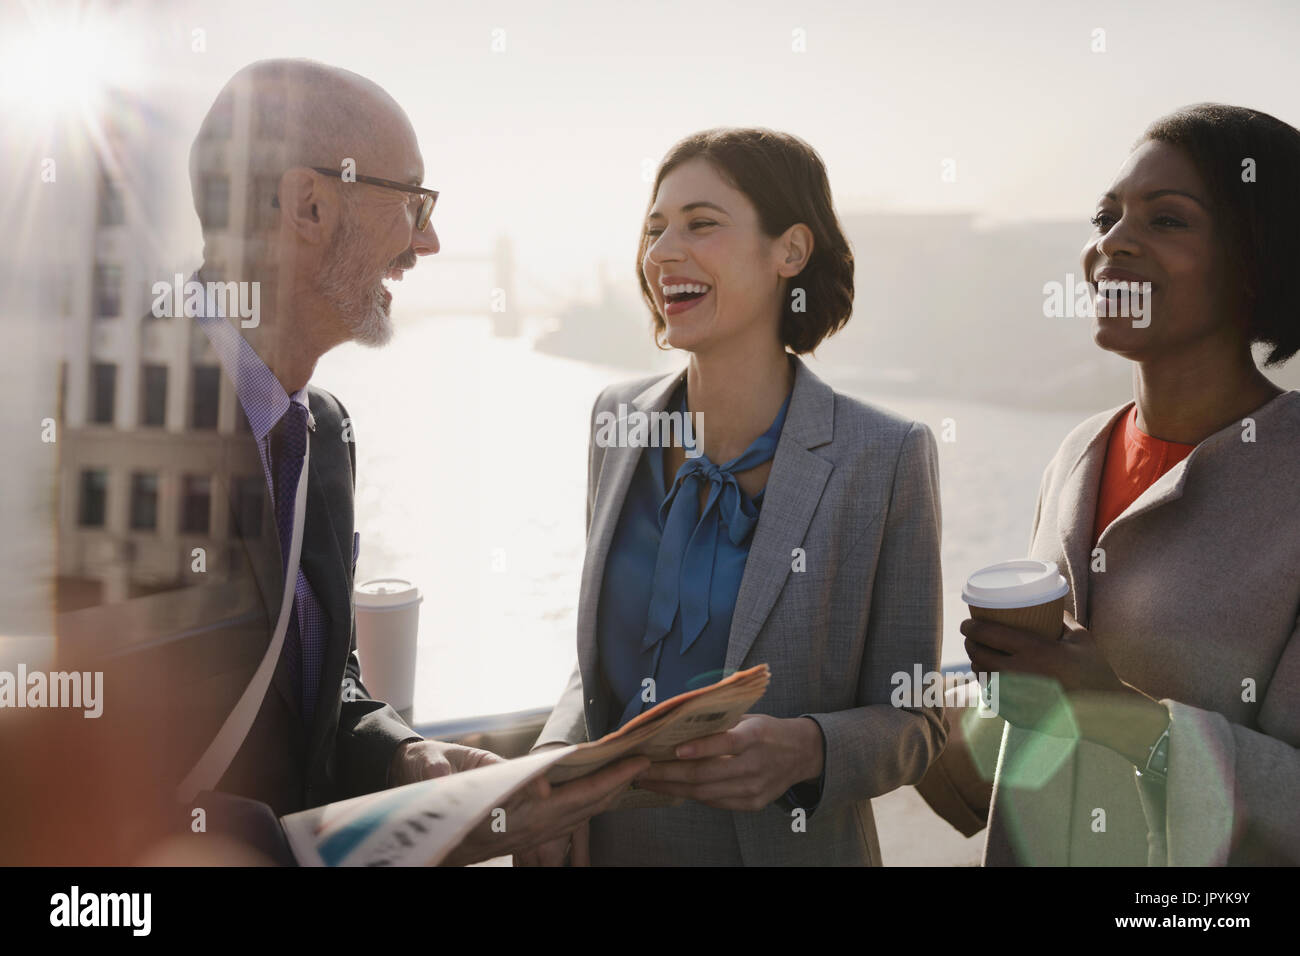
(857, 488)
(1197, 606)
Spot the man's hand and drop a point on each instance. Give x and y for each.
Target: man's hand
(571, 849)
(744, 768)
(541, 813)
(423, 759)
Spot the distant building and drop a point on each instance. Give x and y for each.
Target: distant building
(145, 413)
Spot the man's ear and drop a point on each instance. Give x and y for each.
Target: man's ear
(795, 248)
(306, 207)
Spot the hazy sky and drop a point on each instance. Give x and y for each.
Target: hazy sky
(548, 139)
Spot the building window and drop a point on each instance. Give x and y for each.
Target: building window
(269, 112)
(108, 291)
(144, 501)
(207, 392)
(63, 391)
(247, 502)
(221, 119)
(196, 504)
(216, 203)
(112, 209)
(163, 309)
(103, 393)
(260, 211)
(153, 396)
(94, 493)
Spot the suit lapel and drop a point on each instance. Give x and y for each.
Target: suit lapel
(259, 539)
(794, 488)
(261, 543)
(329, 494)
(617, 468)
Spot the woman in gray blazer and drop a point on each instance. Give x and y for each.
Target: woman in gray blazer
(1162, 727)
(805, 536)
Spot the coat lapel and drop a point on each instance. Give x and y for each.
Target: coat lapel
(1077, 512)
(1081, 492)
(794, 488)
(1170, 486)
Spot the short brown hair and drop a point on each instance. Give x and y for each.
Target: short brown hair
(786, 181)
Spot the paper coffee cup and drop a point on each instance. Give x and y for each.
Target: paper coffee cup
(388, 621)
(1025, 594)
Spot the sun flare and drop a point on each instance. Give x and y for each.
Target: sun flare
(57, 63)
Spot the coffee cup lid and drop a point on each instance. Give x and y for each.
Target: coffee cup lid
(1020, 583)
(386, 592)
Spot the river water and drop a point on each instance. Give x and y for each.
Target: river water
(471, 483)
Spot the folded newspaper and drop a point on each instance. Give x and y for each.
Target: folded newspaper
(421, 823)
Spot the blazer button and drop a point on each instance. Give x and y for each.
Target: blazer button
(591, 701)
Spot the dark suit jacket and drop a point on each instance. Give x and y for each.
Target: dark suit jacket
(352, 738)
(175, 662)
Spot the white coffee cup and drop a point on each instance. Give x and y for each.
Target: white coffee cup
(388, 622)
(1024, 593)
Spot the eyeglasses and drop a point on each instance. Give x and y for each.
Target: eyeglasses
(430, 196)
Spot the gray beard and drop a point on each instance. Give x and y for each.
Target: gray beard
(343, 286)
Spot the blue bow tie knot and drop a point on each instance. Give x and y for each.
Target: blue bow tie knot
(689, 541)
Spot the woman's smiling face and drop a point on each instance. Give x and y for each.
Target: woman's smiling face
(711, 268)
(1154, 225)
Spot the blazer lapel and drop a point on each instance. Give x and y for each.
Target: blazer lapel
(328, 494)
(794, 488)
(258, 538)
(617, 467)
(261, 543)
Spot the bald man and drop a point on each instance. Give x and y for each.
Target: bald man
(307, 182)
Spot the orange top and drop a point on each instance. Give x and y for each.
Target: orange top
(1134, 461)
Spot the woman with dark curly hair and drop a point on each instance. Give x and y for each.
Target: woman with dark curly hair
(1162, 726)
(801, 531)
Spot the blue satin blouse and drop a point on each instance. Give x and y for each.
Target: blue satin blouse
(671, 578)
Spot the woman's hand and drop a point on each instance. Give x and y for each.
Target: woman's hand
(1064, 687)
(1073, 660)
(744, 768)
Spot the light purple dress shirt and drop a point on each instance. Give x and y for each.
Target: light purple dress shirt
(265, 401)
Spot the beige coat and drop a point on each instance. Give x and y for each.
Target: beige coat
(1197, 606)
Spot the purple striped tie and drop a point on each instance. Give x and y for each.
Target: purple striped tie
(288, 448)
